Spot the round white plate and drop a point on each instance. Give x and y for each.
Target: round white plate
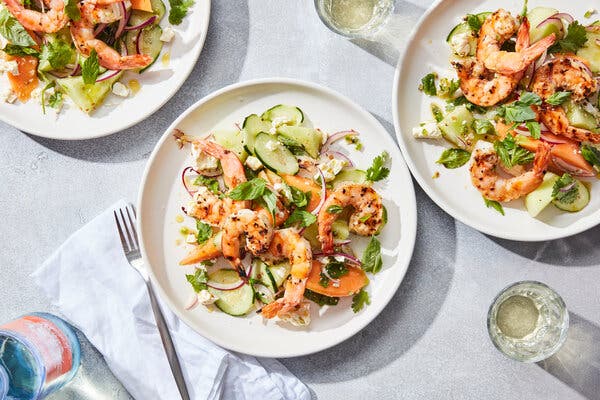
(427, 52)
(162, 195)
(158, 84)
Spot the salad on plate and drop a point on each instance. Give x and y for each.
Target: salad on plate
(53, 50)
(275, 207)
(522, 111)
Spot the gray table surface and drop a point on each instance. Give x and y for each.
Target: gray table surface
(430, 341)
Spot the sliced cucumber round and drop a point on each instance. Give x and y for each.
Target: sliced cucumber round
(340, 229)
(150, 43)
(264, 293)
(279, 273)
(259, 273)
(309, 138)
(231, 139)
(139, 16)
(235, 302)
(464, 29)
(582, 200)
(252, 126)
(349, 175)
(275, 155)
(291, 115)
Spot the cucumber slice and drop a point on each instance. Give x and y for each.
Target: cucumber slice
(582, 200)
(139, 16)
(264, 293)
(279, 273)
(457, 128)
(591, 50)
(309, 138)
(150, 43)
(259, 273)
(232, 139)
(579, 117)
(311, 233)
(461, 35)
(349, 175)
(252, 126)
(217, 239)
(537, 15)
(340, 229)
(275, 155)
(290, 115)
(86, 97)
(537, 200)
(235, 302)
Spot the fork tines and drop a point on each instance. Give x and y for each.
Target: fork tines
(125, 220)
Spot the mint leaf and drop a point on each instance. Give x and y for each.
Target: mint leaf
(557, 98)
(483, 127)
(336, 269)
(448, 87)
(474, 22)
(299, 198)
(204, 232)
(211, 183)
(534, 129)
(13, 31)
(321, 299)
(454, 158)
(300, 217)
(57, 53)
(250, 190)
(90, 68)
(20, 51)
(565, 189)
(428, 84)
(198, 280)
(179, 9)
(377, 171)
(72, 10)
(494, 204)
(591, 154)
(360, 300)
(511, 153)
(371, 259)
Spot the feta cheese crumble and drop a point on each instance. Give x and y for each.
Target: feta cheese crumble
(167, 34)
(330, 168)
(120, 90)
(276, 123)
(206, 298)
(9, 66)
(460, 43)
(253, 163)
(427, 130)
(204, 162)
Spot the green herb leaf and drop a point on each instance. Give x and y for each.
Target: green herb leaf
(56, 99)
(20, 51)
(494, 204)
(72, 10)
(534, 129)
(296, 148)
(90, 68)
(335, 209)
(269, 199)
(360, 300)
(321, 299)
(211, 183)
(438, 115)
(371, 258)
(474, 22)
(454, 158)
(557, 98)
(589, 13)
(511, 153)
(323, 280)
(299, 198)
(204, 232)
(483, 127)
(529, 99)
(250, 190)
(575, 39)
(462, 100)
(198, 280)
(448, 88)
(58, 53)
(13, 31)
(336, 269)
(591, 154)
(179, 9)
(428, 84)
(565, 189)
(301, 217)
(377, 171)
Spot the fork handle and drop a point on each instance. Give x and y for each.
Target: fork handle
(167, 343)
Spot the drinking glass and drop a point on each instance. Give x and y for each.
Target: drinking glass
(354, 18)
(528, 321)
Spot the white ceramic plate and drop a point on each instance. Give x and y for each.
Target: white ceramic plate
(162, 195)
(452, 191)
(158, 84)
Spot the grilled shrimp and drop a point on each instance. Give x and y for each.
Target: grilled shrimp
(569, 73)
(233, 170)
(254, 225)
(497, 29)
(493, 187)
(366, 219)
(82, 32)
(288, 244)
(484, 87)
(50, 21)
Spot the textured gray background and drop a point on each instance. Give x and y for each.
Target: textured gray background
(429, 343)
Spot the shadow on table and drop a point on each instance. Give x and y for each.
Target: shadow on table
(220, 64)
(385, 45)
(577, 363)
(93, 381)
(406, 318)
(581, 250)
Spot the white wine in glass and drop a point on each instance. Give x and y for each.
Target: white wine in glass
(354, 18)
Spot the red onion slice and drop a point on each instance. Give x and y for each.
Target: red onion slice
(108, 74)
(564, 16)
(123, 21)
(144, 24)
(226, 286)
(326, 273)
(337, 136)
(192, 302)
(571, 169)
(76, 70)
(323, 193)
(99, 29)
(551, 20)
(184, 181)
(552, 139)
(339, 155)
(138, 39)
(350, 258)
(568, 187)
(341, 242)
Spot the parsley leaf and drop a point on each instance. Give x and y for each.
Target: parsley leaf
(90, 68)
(204, 232)
(198, 280)
(483, 127)
(72, 10)
(211, 183)
(179, 9)
(377, 171)
(454, 158)
(565, 189)
(323, 280)
(438, 115)
(557, 98)
(360, 299)
(371, 258)
(13, 31)
(56, 99)
(494, 204)
(591, 154)
(534, 129)
(574, 40)
(336, 269)
(511, 153)
(57, 53)
(428, 84)
(335, 209)
(320, 299)
(520, 110)
(462, 100)
(301, 217)
(448, 87)
(250, 190)
(474, 22)
(15, 50)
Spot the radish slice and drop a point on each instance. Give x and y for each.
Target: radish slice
(226, 286)
(108, 74)
(323, 193)
(565, 166)
(337, 136)
(142, 25)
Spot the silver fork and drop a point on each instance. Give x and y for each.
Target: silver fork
(125, 221)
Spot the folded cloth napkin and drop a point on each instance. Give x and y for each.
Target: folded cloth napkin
(91, 282)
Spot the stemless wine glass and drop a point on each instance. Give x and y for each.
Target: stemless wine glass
(528, 321)
(354, 18)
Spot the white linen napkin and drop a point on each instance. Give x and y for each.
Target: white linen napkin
(91, 282)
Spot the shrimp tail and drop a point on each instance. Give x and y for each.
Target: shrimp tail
(542, 157)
